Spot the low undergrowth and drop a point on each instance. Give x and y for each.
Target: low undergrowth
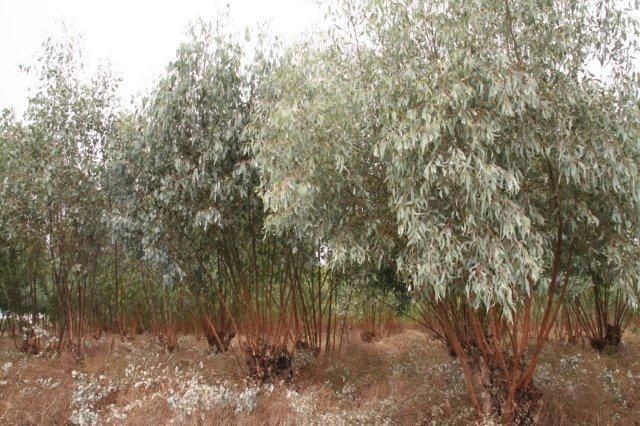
(407, 378)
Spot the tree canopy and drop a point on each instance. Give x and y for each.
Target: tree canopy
(475, 135)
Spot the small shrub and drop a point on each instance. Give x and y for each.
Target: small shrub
(32, 340)
(169, 339)
(219, 343)
(267, 362)
(368, 336)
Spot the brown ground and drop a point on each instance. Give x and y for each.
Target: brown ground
(403, 379)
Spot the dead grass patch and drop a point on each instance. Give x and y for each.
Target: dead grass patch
(406, 378)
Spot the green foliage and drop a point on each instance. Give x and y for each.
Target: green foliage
(467, 135)
(51, 169)
(188, 159)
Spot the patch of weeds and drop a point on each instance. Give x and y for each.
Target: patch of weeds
(302, 405)
(196, 397)
(400, 369)
(88, 394)
(48, 383)
(336, 377)
(571, 362)
(612, 385)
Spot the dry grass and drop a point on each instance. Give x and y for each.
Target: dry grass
(585, 387)
(405, 378)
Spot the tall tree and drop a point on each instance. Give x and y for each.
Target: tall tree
(52, 183)
(194, 201)
(476, 140)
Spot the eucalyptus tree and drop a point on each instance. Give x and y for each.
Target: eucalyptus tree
(12, 265)
(51, 189)
(22, 256)
(193, 200)
(597, 304)
(476, 139)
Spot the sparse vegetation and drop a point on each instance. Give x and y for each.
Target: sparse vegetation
(406, 378)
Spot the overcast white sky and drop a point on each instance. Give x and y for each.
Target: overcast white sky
(138, 37)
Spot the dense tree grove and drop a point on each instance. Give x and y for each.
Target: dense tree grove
(470, 165)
